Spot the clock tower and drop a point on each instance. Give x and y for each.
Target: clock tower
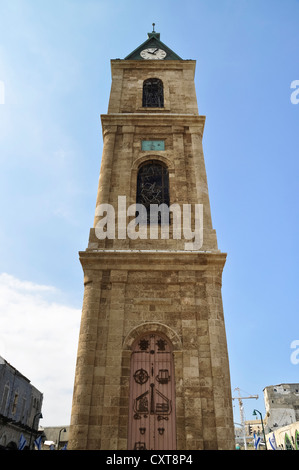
(152, 368)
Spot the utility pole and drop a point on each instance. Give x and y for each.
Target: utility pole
(241, 407)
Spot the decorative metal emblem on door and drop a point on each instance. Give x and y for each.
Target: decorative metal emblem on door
(152, 395)
(141, 376)
(163, 377)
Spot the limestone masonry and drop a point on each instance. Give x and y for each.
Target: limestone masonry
(152, 366)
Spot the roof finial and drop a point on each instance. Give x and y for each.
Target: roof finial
(154, 28)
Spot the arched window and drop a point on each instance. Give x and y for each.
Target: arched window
(152, 186)
(153, 96)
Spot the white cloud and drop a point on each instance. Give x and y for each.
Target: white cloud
(39, 336)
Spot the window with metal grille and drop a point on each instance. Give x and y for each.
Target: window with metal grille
(153, 96)
(152, 186)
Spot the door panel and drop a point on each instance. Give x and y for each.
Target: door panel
(152, 395)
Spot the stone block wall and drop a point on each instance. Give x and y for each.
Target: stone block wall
(128, 295)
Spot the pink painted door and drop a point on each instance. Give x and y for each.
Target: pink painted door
(152, 395)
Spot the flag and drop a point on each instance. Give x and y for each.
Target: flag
(256, 441)
(22, 442)
(38, 442)
(272, 442)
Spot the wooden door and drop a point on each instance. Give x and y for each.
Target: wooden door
(152, 395)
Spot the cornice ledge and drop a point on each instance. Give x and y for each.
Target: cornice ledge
(148, 118)
(125, 258)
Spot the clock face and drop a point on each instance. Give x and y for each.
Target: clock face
(153, 53)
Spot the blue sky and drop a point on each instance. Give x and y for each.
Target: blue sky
(55, 70)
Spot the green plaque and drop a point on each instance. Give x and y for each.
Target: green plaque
(153, 145)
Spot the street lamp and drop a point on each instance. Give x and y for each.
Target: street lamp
(254, 414)
(39, 415)
(64, 430)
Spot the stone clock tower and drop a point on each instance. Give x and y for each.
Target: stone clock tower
(152, 366)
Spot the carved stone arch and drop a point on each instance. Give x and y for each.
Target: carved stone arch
(160, 158)
(149, 327)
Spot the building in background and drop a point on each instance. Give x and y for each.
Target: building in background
(282, 416)
(55, 438)
(284, 438)
(20, 408)
(281, 421)
(282, 405)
